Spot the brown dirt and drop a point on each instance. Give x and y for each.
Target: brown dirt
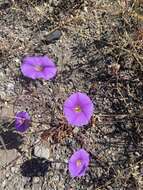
(99, 51)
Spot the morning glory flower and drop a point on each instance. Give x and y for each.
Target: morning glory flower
(22, 121)
(37, 67)
(78, 109)
(78, 163)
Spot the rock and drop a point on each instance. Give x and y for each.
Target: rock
(7, 175)
(7, 156)
(2, 76)
(36, 179)
(10, 88)
(2, 94)
(54, 2)
(14, 170)
(76, 130)
(52, 37)
(7, 112)
(42, 151)
(4, 183)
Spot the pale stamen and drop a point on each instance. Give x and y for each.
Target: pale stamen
(38, 68)
(21, 121)
(78, 163)
(77, 109)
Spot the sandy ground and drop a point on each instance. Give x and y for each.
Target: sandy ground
(98, 49)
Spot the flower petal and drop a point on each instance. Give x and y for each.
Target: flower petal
(88, 111)
(72, 101)
(81, 117)
(78, 171)
(47, 71)
(22, 121)
(74, 170)
(69, 114)
(83, 99)
(46, 61)
(80, 120)
(28, 70)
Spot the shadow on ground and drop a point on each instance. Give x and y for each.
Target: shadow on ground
(12, 140)
(35, 167)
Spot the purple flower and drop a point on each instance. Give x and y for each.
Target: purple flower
(78, 163)
(78, 109)
(38, 67)
(22, 121)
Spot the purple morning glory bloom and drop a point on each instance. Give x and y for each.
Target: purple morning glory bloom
(78, 163)
(36, 67)
(78, 109)
(22, 121)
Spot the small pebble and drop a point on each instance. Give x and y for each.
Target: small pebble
(41, 151)
(76, 130)
(36, 179)
(52, 37)
(12, 169)
(4, 183)
(7, 175)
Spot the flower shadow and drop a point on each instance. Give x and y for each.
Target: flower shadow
(10, 140)
(26, 82)
(35, 167)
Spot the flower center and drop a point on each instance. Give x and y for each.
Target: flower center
(39, 68)
(77, 109)
(21, 121)
(78, 163)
